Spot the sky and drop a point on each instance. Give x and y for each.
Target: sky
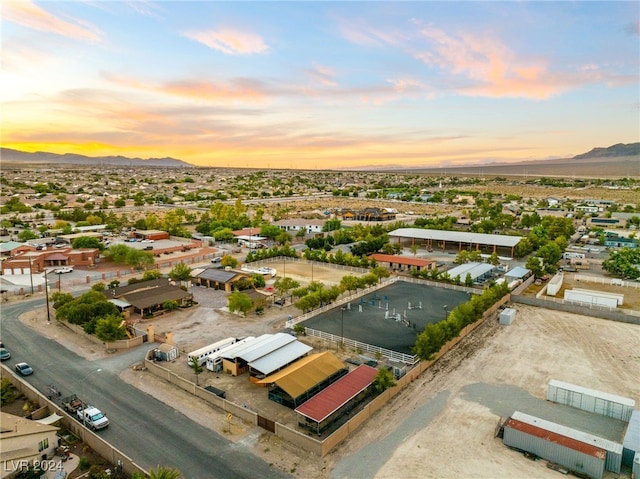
(320, 85)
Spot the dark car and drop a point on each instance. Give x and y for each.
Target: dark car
(4, 354)
(24, 369)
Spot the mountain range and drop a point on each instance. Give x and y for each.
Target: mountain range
(8, 155)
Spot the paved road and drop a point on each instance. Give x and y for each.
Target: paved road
(145, 429)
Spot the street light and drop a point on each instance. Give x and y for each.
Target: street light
(446, 313)
(83, 387)
(342, 325)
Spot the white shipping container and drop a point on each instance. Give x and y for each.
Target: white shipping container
(590, 299)
(597, 402)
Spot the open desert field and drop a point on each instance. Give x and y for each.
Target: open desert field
(443, 425)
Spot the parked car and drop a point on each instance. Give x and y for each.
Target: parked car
(24, 369)
(63, 269)
(4, 354)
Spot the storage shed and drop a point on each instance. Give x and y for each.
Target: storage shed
(590, 400)
(578, 451)
(507, 316)
(166, 352)
(590, 298)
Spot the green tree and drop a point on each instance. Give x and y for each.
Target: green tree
(414, 249)
(238, 301)
(110, 328)
(383, 380)
(535, 265)
(151, 275)
(161, 472)
(228, 260)
(180, 272)
(170, 305)
(258, 280)
(87, 242)
(196, 367)
(26, 235)
(284, 285)
(623, 263)
(332, 225)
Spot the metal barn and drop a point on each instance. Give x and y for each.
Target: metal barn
(590, 400)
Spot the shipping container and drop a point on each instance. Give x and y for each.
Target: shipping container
(597, 402)
(576, 456)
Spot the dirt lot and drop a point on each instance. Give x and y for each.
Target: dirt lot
(440, 426)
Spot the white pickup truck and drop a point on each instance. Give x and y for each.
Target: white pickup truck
(92, 417)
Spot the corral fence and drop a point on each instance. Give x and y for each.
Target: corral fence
(364, 347)
(612, 281)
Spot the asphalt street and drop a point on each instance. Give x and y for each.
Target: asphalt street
(142, 427)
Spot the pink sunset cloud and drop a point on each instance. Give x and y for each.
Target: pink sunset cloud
(495, 70)
(30, 15)
(230, 41)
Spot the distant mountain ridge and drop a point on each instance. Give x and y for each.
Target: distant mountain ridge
(10, 155)
(621, 149)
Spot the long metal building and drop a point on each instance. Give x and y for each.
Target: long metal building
(576, 450)
(590, 400)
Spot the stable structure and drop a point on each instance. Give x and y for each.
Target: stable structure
(478, 271)
(402, 263)
(590, 400)
(441, 239)
(236, 360)
(278, 359)
(575, 450)
(507, 316)
(302, 380)
(326, 408)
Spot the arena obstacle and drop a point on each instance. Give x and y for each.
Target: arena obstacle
(415, 306)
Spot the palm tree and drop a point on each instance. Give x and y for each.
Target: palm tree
(162, 472)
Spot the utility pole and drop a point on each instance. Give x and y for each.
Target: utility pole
(46, 292)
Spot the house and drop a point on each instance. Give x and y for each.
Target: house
(301, 224)
(36, 261)
(147, 297)
(620, 242)
(607, 222)
(369, 214)
(217, 278)
(154, 235)
(23, 440)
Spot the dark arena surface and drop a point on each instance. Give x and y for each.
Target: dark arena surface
(392, 317)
